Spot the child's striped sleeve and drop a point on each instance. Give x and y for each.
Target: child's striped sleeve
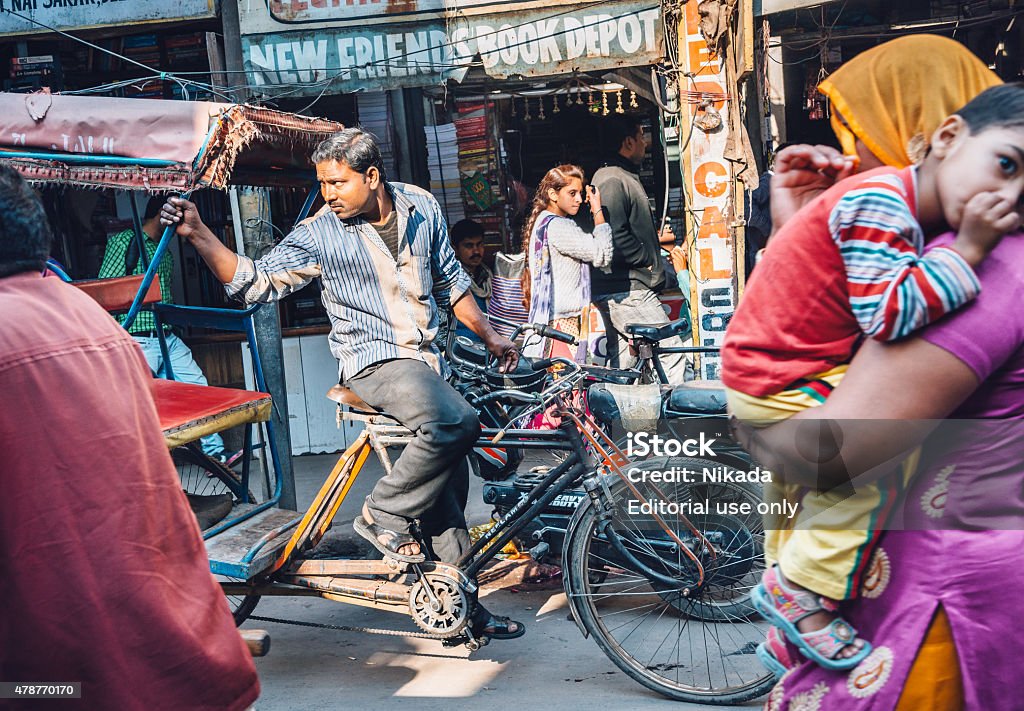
(894, 290)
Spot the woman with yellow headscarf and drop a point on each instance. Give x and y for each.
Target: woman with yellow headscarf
(885, 103)
(892, 98)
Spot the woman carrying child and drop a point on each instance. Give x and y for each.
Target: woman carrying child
(853, 267)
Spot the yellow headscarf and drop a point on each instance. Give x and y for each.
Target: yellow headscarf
(893, 96)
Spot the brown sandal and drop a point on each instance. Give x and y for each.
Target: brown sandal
(387, 541)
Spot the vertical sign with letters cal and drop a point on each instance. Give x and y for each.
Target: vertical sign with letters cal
(709, 183)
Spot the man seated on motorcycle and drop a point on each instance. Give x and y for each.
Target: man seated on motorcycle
(382, 253)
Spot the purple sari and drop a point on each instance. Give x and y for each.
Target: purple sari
(961, 546)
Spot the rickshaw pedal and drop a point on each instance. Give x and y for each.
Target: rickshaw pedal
(475, 643)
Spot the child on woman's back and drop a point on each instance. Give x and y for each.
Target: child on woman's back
(850, 265)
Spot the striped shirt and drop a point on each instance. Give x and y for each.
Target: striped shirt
(849, 265)
(380, 308)
(114, 266)
(507, 292)
(894, 288)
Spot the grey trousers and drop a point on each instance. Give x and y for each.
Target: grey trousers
(640, 306)
(430, 480)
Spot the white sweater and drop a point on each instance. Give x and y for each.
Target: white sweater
(568, 247)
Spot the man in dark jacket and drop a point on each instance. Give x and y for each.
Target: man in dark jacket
(628, 293)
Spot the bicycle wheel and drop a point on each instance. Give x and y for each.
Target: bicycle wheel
(203, 476)
(241, 606)
(687, 640)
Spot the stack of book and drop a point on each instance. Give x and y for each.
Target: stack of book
(375, 117)
(677, 212)
(44, 66)
(29, 74)
(479, 168)
(474, 145)
(186, 49)
(144, 49)
(443, 164)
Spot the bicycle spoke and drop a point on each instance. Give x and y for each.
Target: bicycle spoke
(647, 625)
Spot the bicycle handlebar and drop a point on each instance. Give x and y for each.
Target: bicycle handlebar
(555, 334)
(525, 398)
(689, 349)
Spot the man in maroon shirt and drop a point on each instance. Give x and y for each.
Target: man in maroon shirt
(105, 578)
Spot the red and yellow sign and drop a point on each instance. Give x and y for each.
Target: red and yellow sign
(710, 188)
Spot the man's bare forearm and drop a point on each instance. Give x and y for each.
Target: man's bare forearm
(181, 214)
(221, 260)
(469, 313)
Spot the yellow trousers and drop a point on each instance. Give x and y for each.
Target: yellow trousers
(826, 546)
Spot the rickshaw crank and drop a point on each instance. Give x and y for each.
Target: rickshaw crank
(435, 603)
(420, 599)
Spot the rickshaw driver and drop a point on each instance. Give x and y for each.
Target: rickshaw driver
(382, 253)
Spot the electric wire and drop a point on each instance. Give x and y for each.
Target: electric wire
(398, 61)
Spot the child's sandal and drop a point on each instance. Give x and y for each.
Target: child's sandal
(783, 606)
(774, 654)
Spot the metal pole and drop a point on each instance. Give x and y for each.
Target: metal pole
(254, 210)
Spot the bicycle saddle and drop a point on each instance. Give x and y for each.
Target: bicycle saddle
(679, 327)
(697, 397)
(635, 407)
(618, 376)
(469, 351)
(344, 396)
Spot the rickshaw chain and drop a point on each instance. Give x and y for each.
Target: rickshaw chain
(346, 628)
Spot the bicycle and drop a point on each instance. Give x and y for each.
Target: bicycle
(632, 581)
(684, 411)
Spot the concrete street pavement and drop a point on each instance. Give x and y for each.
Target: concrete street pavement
(551, 667)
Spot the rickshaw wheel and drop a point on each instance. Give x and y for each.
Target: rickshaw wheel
(203, 476)
(241, 605)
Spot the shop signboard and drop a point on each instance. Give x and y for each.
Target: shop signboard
(709, 184)
(422, 43)
(769, 7)
(18, 17)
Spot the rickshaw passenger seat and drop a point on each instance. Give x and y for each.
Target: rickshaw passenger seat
(118, 293)
(188, 412)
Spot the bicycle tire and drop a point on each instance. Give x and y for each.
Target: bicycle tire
(241, 606)
(725, 671)
(734, 600)
(203, 476)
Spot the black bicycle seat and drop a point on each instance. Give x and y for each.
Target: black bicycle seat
(467, 350)
(679, 327)
(697, 397)
(619, 376)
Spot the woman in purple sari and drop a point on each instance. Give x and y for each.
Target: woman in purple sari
(939, 604)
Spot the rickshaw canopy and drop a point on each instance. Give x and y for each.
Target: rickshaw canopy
(154, 145)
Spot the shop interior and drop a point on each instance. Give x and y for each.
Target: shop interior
(815, 41)
(495, 140)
